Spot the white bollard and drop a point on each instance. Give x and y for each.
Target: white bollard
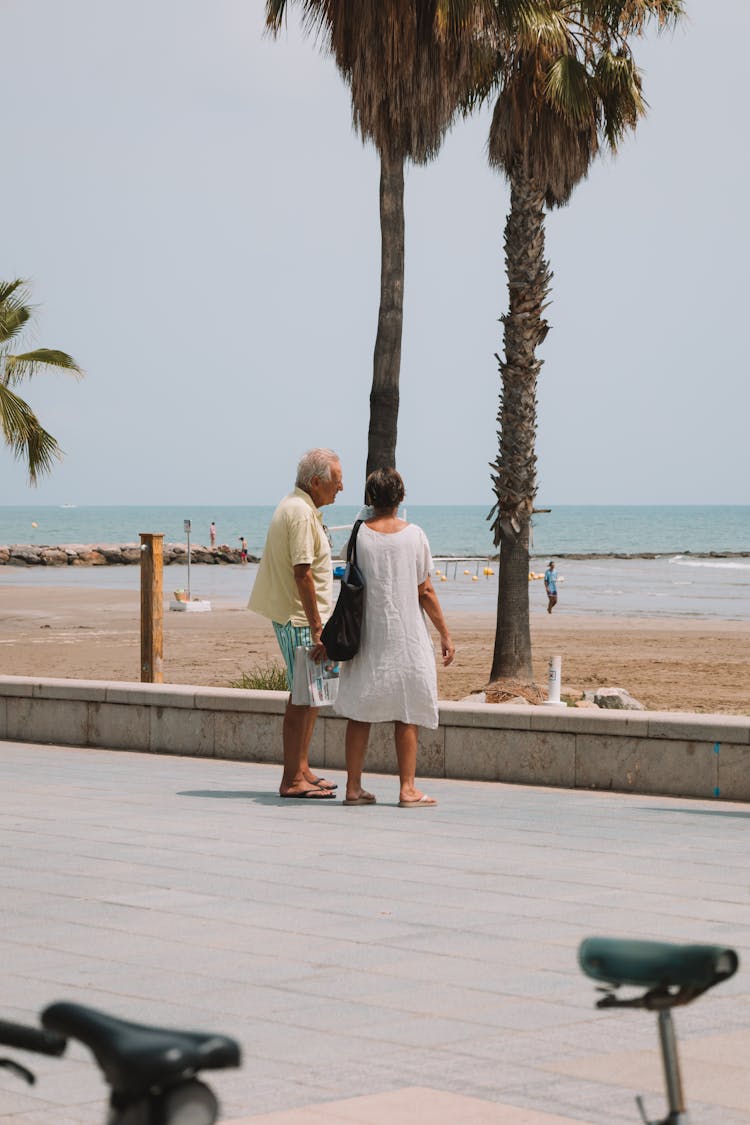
(553, 683)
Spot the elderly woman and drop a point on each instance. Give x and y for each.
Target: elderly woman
(392, 677)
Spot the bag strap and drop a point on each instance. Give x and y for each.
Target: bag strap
(351, 547)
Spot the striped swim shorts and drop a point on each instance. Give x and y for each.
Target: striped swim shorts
(291, 637)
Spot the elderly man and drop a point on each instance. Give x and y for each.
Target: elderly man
(294, 589)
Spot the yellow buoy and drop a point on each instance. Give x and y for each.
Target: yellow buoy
(488, 571)
(467, 572)
(437, 570)
(474, 578)
(443, 578)
(34, 524)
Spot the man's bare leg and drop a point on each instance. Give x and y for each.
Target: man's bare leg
(406, 752)
(297, 731)
(307, 773)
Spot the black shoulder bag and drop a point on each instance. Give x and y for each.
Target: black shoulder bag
(341, 633)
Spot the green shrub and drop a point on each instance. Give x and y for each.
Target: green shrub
(263, 677)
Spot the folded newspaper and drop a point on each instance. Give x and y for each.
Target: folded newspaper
(316, 682)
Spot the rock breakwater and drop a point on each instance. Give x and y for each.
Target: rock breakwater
(109, 554)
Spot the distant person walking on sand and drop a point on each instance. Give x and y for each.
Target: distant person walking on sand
(550, 585)
(212, 533)
(393, 676)
(243, 549)
(294, 589)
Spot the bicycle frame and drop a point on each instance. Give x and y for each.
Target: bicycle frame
(672, 976)
(678, 1114)
(191, 1102)
(151, 1071)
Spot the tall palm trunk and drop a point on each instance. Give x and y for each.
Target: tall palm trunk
(514, 475)
(384, 396)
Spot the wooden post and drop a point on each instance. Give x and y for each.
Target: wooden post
(152, 608)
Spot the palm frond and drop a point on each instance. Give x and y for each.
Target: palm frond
(540, 27)
(620, 93)
(26, 436)
(29, 364)
(568, 89)
(528, 19)
(19, 425)
(15, 311)
(623, 18)
(275, 12)
(42, 451)
(406, 68)
(8, 288)
(529, 133)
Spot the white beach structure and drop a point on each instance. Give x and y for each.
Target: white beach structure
(182, 602)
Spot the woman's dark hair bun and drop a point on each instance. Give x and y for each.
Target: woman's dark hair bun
(384, 489)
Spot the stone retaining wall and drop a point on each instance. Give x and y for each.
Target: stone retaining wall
(671, 754)
(111, 554)
(127, 554)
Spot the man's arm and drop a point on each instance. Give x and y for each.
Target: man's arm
(306, 590)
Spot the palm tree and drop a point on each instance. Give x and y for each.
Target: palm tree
(406, 78)
(566, 90)
(22, 430)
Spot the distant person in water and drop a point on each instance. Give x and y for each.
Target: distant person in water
(243, 549)
(212, 533)
(550, 585)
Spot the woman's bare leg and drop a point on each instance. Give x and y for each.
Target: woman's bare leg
(406, 752)
(357, 737)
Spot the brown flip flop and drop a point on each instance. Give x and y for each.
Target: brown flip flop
(424, 802)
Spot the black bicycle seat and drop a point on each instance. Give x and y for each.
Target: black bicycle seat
(655, 964)
(136, 1058)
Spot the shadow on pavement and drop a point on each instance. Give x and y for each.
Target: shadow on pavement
(262, 797)
(702, 812)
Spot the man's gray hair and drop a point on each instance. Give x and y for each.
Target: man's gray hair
(315, 463)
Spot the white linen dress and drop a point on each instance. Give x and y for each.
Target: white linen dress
(393, 675)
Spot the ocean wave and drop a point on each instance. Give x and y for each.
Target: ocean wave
(714, 564)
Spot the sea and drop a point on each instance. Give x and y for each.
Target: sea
(676, 561)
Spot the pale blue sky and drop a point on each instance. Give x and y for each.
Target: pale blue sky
(200, 225)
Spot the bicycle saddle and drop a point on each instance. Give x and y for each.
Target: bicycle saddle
(658, 966)
(136, 1058)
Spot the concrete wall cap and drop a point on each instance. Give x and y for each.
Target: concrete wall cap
(18, 685)
(152, 695)
(705, 728)
(500, 716)
(570, 719)
(241, 700)
(90, 691)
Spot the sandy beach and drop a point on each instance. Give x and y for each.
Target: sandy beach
(667, 664)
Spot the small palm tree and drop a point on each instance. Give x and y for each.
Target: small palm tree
(22, 430)
(565, 90)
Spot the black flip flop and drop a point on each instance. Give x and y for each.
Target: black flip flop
(309, 795)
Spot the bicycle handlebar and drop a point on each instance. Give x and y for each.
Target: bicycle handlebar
(31, 1039)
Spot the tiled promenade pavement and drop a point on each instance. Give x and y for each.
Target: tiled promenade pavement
(378, 965)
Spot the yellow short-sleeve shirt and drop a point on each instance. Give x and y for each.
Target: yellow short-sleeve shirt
(295, 536)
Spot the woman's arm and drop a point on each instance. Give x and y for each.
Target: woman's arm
(428, 600)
